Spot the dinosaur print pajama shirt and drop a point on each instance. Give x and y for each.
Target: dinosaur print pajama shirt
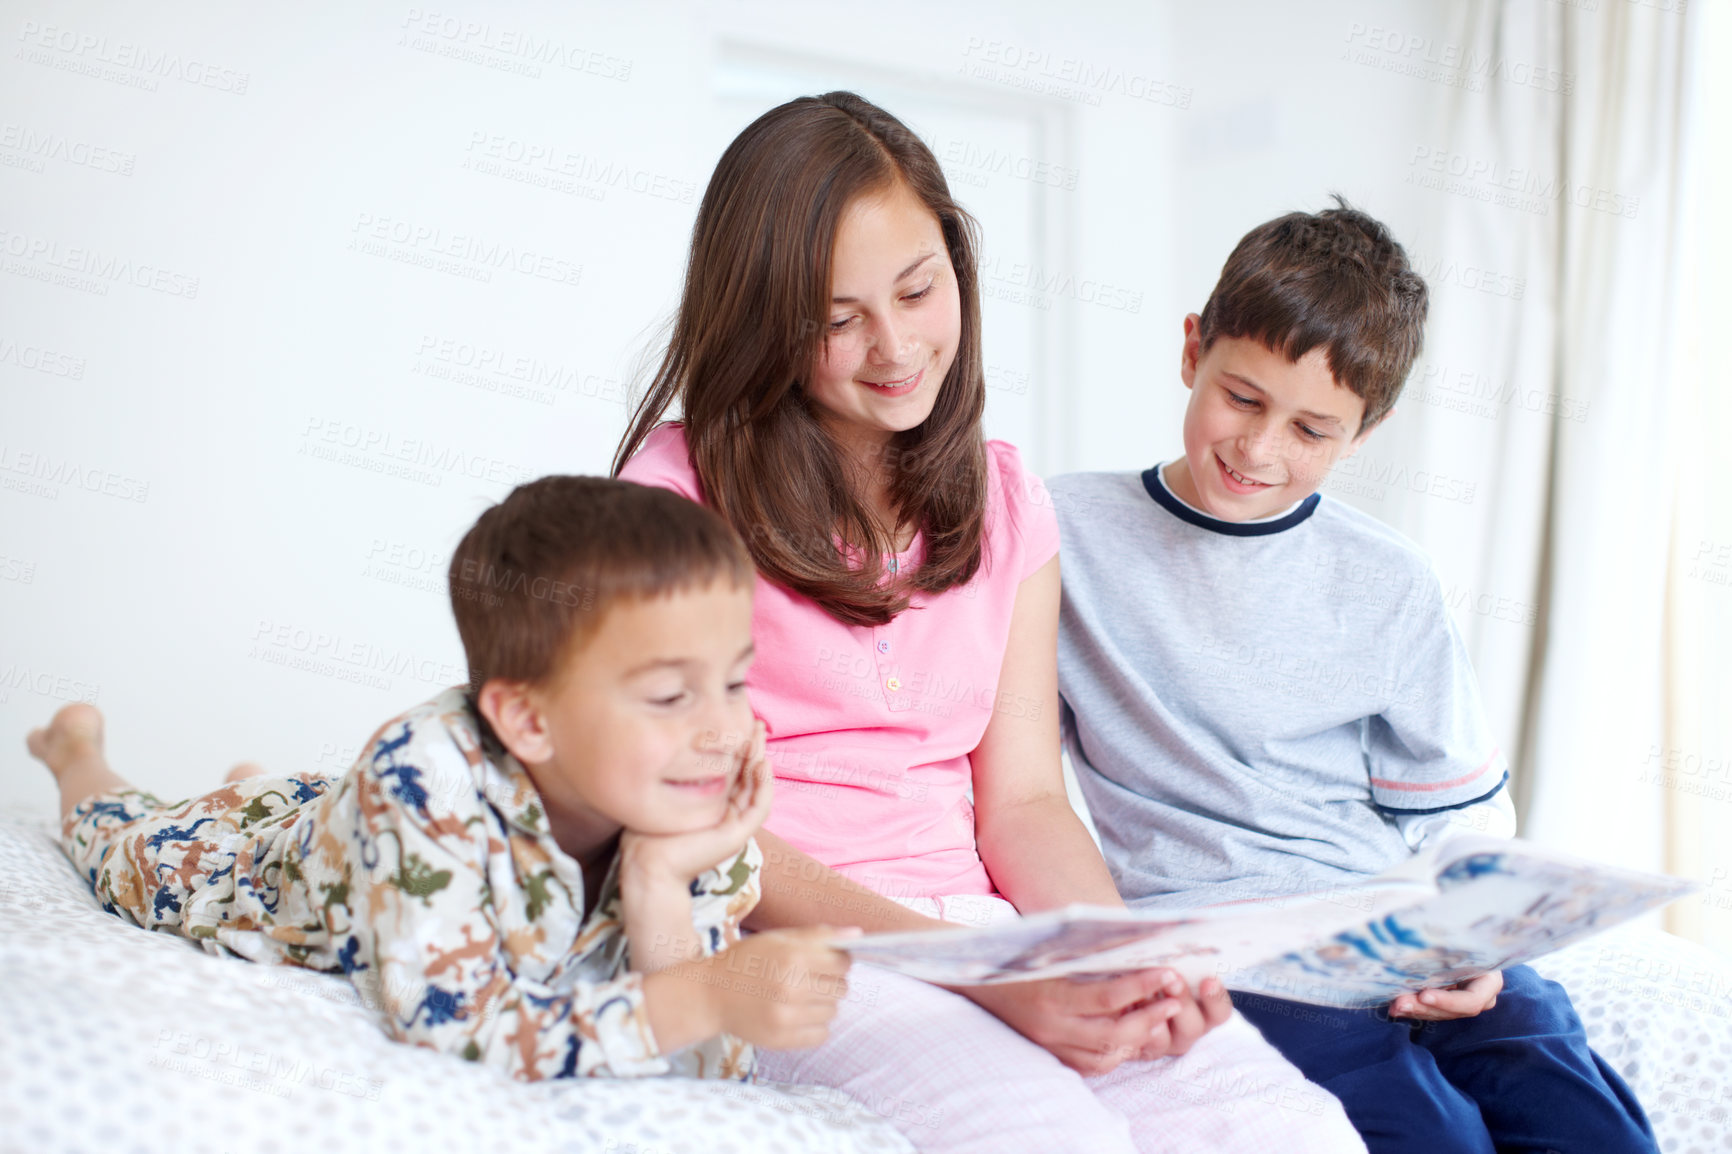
(428, 876)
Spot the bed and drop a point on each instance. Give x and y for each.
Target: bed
(113, 1039)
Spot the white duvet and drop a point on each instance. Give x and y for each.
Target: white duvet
(113, 1039)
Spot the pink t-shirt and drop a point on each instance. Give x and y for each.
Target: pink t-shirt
(870, 729)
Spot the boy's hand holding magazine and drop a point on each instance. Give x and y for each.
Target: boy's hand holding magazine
(776, 989)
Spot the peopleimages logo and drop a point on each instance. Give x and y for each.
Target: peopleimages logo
(1031, 284)
(1515, 186)
(1429, 59)
(82, 52)
(1371, 477)
(511, 49)
(1479, 394)
(413, 458)
(434, 248)
(273, 641)
(41, 146)
(974, 163)
(51, 470)
(41, 360)
(1437, 271)
(538, 163)
(1067, 77)
(41, 254)
(59, 686)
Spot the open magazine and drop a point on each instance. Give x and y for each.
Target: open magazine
(1458, 909)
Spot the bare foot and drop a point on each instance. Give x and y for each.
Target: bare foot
(245, 770)
(71, 746)
(74, 735)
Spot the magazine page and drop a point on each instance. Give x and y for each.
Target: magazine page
(1082, 939)
(1457, 910)
(1498, 903)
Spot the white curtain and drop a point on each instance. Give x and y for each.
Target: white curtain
(1555, 178)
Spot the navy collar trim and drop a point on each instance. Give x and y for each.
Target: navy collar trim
(1165, 499)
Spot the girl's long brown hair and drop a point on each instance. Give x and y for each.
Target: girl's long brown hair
(751, 324)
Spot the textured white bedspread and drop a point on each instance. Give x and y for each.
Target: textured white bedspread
(113, 1039)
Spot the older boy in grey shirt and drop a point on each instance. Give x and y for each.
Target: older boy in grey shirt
(1263, 693)
(1291, 707)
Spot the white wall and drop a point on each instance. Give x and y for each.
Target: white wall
(172, 542)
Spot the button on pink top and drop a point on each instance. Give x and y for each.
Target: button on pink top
(870, 729)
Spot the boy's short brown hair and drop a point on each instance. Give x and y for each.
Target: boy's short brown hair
(1335, 278)
(532, 579)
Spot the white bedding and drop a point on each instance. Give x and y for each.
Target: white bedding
(1658, 1009)
(113, 1039)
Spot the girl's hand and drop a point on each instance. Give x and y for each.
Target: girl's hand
(656, 859)
(1462, 1000)
(1196, 1016)
(1092, 1026)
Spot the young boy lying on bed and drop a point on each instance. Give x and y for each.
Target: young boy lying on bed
(541, 870)
(1264, 694)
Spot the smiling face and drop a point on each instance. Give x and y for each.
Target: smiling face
(895, 320)
(643, 726)
(1261, 432)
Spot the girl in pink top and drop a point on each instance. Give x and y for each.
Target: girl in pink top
(826, 359)
(872, 727)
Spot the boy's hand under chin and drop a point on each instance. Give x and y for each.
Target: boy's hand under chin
(658, 858)
(1462, 1000)
(656, 870)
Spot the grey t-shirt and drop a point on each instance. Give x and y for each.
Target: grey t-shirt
(1251, 706)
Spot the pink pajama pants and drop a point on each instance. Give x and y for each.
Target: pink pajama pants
(957, 1080)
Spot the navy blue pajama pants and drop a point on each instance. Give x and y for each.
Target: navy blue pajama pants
(1519, 1077)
